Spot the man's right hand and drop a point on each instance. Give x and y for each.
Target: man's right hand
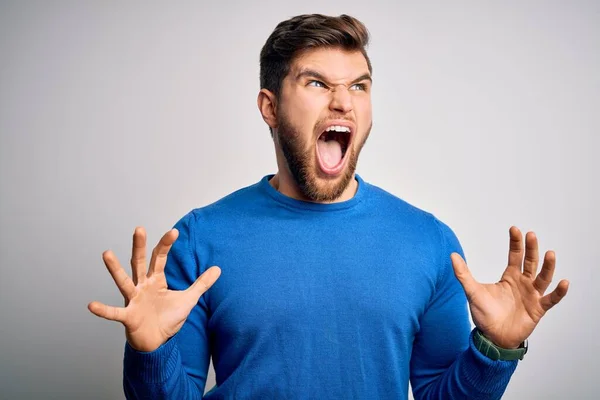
(152, 312)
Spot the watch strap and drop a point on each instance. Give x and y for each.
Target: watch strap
(493, 352)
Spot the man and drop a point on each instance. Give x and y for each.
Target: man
(328, 287)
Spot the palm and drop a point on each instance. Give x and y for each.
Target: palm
(152, 312)
(508, 311)
(155, 313)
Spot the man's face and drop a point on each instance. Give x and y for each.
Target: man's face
(324, 118)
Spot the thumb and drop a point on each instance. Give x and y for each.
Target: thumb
(461, 270)
(204, 282)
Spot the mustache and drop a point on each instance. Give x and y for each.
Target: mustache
(332, 117)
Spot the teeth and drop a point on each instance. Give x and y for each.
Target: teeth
(337, 128)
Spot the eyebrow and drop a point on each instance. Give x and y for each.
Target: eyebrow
(310, 73)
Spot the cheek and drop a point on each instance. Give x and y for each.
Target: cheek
(311, 106)
(363, 107)
(304, 112)
(363, 113)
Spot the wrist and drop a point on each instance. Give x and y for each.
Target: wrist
(494, 352)
(497, 343)
(145, 344)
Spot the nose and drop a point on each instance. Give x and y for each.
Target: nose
(341, 100)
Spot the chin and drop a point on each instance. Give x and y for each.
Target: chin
(323, 171)
(321, 186)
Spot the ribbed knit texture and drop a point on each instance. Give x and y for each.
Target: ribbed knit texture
(318, 301)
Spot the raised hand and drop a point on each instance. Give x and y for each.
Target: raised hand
(508, 311)
(152, 313)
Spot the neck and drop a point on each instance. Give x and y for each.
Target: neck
(286, 185)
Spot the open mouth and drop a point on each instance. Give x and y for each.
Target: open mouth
(332, 147)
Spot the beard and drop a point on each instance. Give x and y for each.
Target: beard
(302, 164)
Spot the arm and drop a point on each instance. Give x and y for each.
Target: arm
(178, 368)
(157, 364)
(445, 363)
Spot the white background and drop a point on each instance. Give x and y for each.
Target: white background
(117, 114)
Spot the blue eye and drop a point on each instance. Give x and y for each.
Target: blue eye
(316, 84)
(360, 86)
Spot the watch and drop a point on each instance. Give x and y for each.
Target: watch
(493, 352)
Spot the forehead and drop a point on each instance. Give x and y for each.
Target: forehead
(334, 63)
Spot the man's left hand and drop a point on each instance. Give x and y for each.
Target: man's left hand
(508, 311)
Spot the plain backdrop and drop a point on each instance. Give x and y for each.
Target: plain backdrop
(118, 114)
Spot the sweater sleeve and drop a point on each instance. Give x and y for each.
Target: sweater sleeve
(178, 368)
(445, 363)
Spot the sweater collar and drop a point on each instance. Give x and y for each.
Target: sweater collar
(312, 206)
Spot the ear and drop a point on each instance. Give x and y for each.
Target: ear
(267, 105)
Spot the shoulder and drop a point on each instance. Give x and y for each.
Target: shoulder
(398, 208)
(382, 198)
(422, 222)
(224, 211)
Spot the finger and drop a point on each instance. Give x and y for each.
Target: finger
(553, 298)
(515, 248)
(159, 254)
(544, 278)
(463, 275)
(204, 282)
(123, 281)
(138, 255)
(531, 255)
(108, 312)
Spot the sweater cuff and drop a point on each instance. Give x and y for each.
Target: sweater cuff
(154, 366)
(485, 372)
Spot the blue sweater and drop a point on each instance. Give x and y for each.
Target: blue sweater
(318, 301)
